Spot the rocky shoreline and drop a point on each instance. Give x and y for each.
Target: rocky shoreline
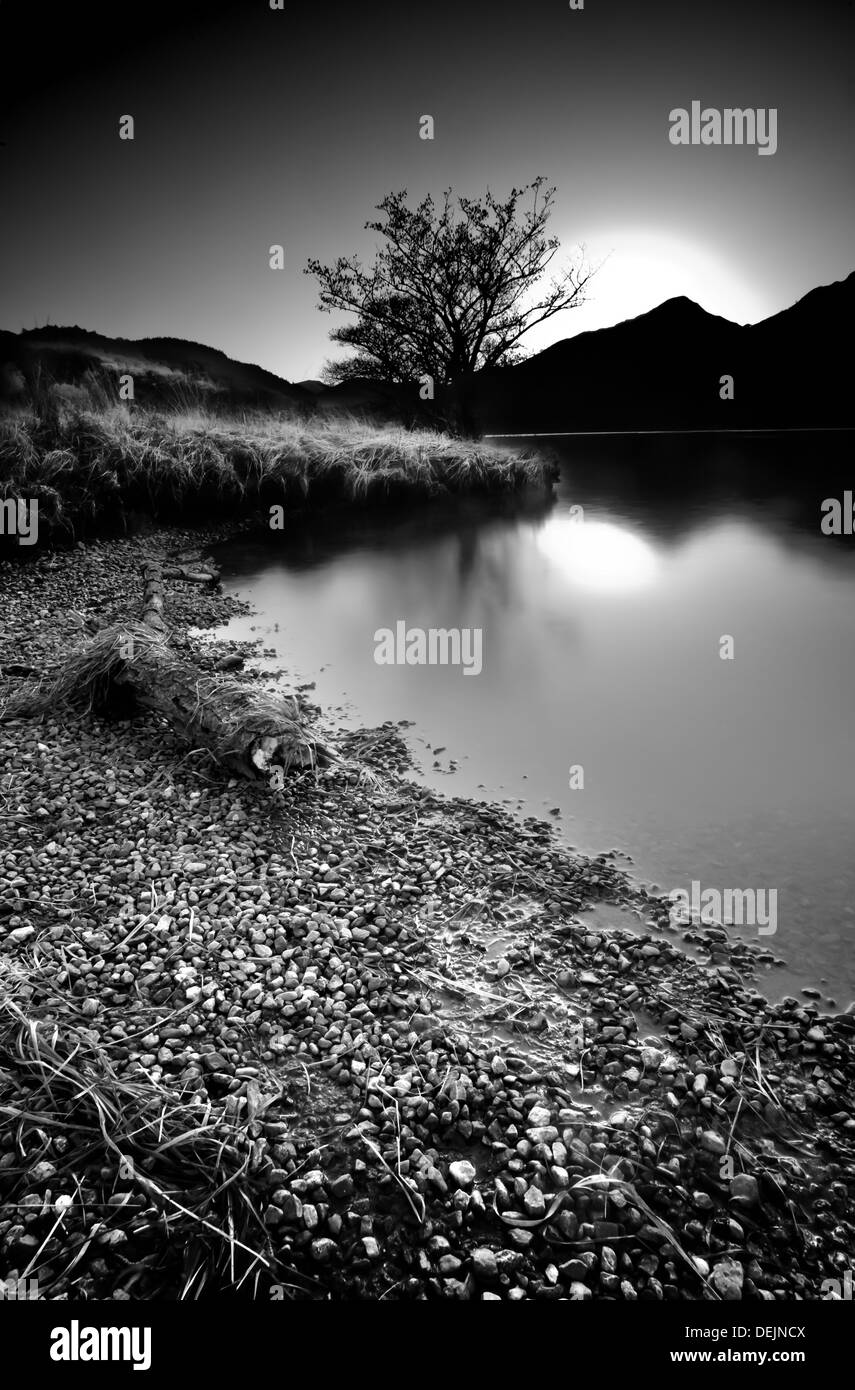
(355, 1040)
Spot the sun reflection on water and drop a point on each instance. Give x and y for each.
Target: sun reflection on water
(598, 555)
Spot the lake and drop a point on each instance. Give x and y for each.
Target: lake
(604, 614)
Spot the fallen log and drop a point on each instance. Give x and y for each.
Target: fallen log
(193, 576)
(132, 666)
(190, 565)
(153, 600)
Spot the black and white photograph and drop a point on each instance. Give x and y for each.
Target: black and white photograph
(427, 676)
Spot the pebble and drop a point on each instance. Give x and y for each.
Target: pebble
(746, 1187)
(462, 1173)
(533, 1202)
(727, 1279)
(484, 1265)
(713, 1143)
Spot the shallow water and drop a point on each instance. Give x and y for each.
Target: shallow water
(601, 642)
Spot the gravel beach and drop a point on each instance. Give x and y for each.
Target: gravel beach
(356, 1040)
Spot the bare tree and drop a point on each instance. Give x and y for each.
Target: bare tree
(453, 289)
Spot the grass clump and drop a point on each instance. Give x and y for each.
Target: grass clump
(94, 468)
(114, 1185)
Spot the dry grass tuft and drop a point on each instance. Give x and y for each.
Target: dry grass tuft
(153, 1192)
(91, 467)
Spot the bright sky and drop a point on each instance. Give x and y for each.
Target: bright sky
(256, 127)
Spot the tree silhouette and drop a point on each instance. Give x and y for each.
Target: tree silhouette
(453, 289)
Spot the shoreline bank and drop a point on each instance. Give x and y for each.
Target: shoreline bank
(378, 1007)
(74, 473)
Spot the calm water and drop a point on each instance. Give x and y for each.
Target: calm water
(601, 641)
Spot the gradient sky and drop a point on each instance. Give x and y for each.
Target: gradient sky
(256, 126)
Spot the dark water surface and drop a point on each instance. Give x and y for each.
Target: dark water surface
(601, 640)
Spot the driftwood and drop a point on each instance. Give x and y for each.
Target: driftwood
(189, 565)
(134, 666)
(193, 576)
(153, 600)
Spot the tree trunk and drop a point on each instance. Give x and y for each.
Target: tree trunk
(461, 398)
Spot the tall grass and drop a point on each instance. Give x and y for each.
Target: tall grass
(91, 468)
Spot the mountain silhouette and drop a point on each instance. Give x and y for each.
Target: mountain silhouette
(663, 370)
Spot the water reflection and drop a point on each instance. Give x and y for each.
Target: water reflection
(598, 554)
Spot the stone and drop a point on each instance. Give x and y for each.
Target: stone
(214, 1061)
(539, 1115)
(543, 1134)
(746, 1187)
(484, 1265)
(712, 1142)
(534, 1203)
(727, 1279)
(462, 1173)
(42, 1172)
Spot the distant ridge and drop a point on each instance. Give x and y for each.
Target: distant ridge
(165, 370)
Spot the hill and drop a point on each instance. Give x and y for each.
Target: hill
(166, 371)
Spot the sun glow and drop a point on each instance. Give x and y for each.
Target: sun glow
(598, 555)
(638, 268)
